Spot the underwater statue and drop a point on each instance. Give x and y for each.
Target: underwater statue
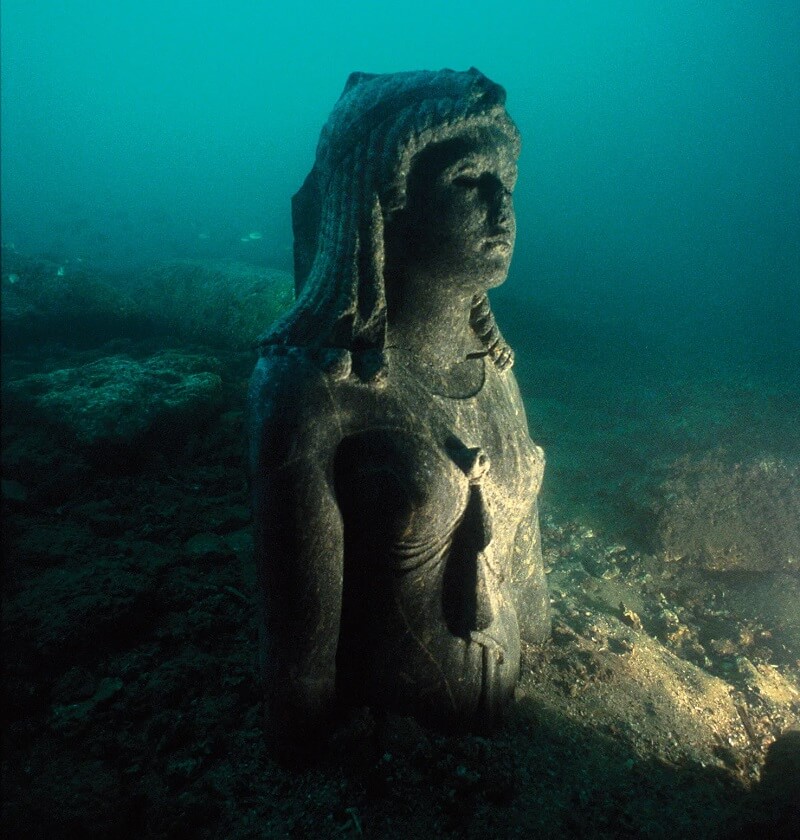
(394, 482)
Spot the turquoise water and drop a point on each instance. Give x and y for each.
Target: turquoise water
(660, 173)
(654, 296)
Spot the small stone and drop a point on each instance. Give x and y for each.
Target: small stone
(207, 546)
(13, 491)
(630, 618)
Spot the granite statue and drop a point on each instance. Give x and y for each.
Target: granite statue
(394, 480)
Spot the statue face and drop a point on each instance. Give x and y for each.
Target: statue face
(458, 226)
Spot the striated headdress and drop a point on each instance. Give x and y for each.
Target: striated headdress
(359, 178)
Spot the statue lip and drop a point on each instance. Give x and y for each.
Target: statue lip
(500, 239)
(498, 242)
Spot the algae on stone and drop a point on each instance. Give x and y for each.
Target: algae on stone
(741, 517)
(216, 302)
(117, 400)
(222, 303)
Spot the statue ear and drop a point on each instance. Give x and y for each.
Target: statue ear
(356, 78)
(306, 212)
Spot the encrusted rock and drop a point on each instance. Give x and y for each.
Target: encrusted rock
(741, 517)
(217, 302)
(116, 401)
(44, 301)
(208, 547)
(222, 303)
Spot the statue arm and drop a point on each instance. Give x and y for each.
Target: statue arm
(529, 584)
(298, 541)
(531, 598)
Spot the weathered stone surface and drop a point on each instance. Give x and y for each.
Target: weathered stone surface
(394, 482)
(43, 301)
(116, 401)
(208, 547)
(13, 491)
(741, 517)
(215, 302)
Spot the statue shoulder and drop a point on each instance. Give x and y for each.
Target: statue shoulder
(291, 401)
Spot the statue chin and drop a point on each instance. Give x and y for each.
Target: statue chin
(496, 280)
(496, 271)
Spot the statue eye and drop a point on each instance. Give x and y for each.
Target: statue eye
(466, 181)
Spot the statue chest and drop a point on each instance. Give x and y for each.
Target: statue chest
(415, 460)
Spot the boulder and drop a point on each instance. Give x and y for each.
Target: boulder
(740, 517)
(44, 301)
(118, 401)
(221, 303)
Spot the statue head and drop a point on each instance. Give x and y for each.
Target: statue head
(390, 150)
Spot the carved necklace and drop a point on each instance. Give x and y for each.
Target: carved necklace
(463, 380)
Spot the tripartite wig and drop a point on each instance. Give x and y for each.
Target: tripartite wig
(359, 178)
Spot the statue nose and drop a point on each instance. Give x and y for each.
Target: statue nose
(502, 211)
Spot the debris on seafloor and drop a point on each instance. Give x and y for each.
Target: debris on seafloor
(633, 653)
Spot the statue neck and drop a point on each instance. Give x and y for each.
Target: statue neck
(433, 325)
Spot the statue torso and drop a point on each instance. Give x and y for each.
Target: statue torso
(438, 499)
